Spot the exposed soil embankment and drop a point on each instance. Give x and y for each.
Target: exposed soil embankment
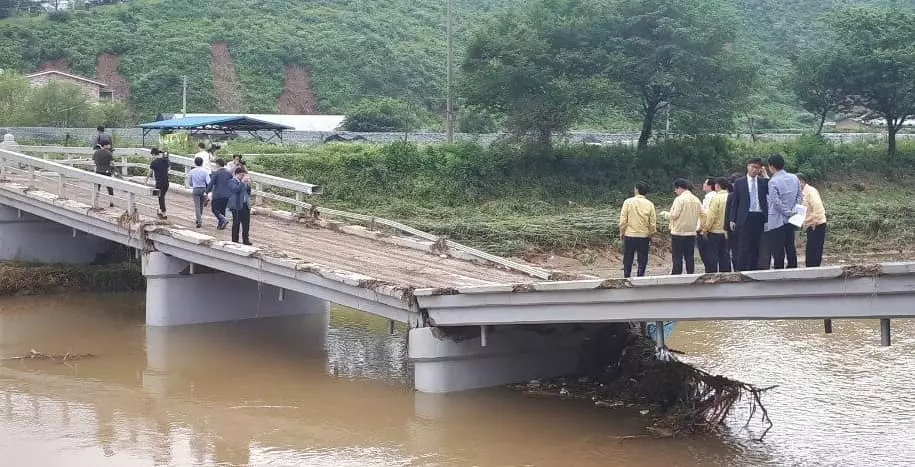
(298, 98)
(46, 279)
(106, 71)
(230, 94)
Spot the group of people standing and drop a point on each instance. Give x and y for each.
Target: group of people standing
(215, 183)
(742, 223)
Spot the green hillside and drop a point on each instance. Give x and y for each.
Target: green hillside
(352, 49)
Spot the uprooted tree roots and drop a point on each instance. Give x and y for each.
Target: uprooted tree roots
(621, 368)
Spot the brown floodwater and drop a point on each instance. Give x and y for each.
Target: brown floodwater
(273, 393)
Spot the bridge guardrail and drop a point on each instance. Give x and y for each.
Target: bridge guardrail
(261, 181)
(12, 161)
(299, 188)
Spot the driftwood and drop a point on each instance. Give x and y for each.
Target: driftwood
(36, 355)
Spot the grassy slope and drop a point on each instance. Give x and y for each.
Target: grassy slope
(354, 48)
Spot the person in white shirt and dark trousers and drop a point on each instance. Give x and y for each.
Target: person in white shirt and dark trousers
(197, 180)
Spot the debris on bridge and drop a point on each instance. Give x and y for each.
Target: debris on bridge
(620, 368)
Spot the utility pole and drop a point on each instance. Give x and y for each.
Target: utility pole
(450, 103)
(184, 96)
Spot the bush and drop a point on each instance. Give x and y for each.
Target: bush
(380, 115)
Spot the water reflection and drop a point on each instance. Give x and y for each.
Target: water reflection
(288, 391)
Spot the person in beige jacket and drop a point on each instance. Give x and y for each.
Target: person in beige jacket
(638, 222)
(685, 214)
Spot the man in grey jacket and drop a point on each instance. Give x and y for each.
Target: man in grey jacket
(784, 195)
(219, 192)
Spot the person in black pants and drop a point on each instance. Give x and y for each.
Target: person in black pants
(219, 192)
(103, 159)
(638, 221)
(747, 214)
(240, 205)
(159, 168)
(814, 224)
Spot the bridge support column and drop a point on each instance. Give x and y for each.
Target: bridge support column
(26, 237)
(443, 364)
(180, 293)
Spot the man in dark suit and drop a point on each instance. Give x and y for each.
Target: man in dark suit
(747, 214)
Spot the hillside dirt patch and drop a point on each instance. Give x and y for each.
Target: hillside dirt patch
(106, 71)
(297, 98)
(229, 93)
(59, 64)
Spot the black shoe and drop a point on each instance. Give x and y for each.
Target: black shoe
(248, 243)
(199, 226)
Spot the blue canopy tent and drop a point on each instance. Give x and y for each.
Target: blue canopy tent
(228, 124)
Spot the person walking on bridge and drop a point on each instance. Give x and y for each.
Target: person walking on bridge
(685, 214)
(219, 192)
(101, 138)
(240, 205)
(158, 168)
(197, 180)
(638, 222)
(103, 159)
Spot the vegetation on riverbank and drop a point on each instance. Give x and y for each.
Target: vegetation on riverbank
(515, 200)
(18, 278)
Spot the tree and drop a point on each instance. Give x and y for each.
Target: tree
(875, 50)
(14, 91)
(675, 53)
(58, 104)
(113, 114)
(380, 115)
(817, 82)
(526, 66)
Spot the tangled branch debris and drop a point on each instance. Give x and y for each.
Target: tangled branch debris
(36, 355)
(621, 368)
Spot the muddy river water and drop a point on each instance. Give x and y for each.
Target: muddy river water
(270, 393)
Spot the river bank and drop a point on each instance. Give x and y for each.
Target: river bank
(17, 278)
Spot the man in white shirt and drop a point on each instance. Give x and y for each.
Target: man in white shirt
(198, 179)
(205, 155)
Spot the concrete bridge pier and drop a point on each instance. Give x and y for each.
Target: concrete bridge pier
(27, 237)
(180, 293)
(491, 357)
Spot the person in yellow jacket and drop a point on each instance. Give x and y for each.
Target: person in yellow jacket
(717, 254)
(638, 222)
(814, 223)
(685, 214)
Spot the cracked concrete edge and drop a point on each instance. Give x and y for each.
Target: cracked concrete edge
(806, 274)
